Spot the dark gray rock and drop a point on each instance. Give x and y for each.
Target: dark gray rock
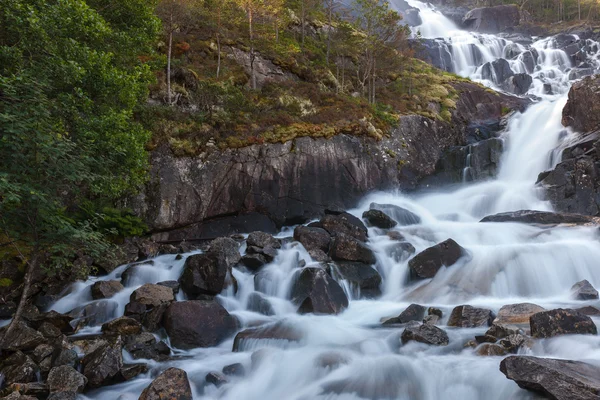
(314, 291)
(414, 312)
(277, 331)
(145, 345)
(173, 285)
(197, 323)
(18, 368)
(262, 240)
(106, 289)
(344, 223)
(428, 262)
(497, 71)
(426, 333)
(518, 84)
(216, 378)
(236, 369)
(470, 317)
(560, 321)
(122, 326)
(347, 248)
(65, 379)
(379, 219)
(148, 303)
(401, 215)
(492, 19)
(23, 338)
(584, 290)
(259, 304)
(173, 383)
(203, 274)
(541, 218)
(554, 379)
(400, 252)
(313, 238)
(363, 276)
(226, 248)
(102, 366)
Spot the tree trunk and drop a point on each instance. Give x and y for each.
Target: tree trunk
(303, 19)
(27, 280)
(251, 32)
(329, 18)
(218, 55)
(169, 67)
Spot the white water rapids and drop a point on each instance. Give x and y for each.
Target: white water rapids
(509, 263)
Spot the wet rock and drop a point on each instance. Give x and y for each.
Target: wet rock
(400, 252)
(130, 371)
(584, 290)
(560, 321)
(347, 248)
(95, 313)
(148, 303)
(555, 379)
(274, 332)
(262, 240)
(18, 368)
(589, 310)
(512, 343)
(433, 51)
(428, 262)
(145, 345)
(198, 323)
(401, 215)
(226, 248)
(470, 317)
(42, 356)
(216, 378)
(173, 285)
(122, 326)
(60, 321)
(345, 223)
(171, 384)
(66, 379)
(313, 238)
(496, 71)
(492, 19)
(314, 291)
(203, 274)
(23, 338)
(431, 319)
(529, 58)
(234, 370)
(491, 349)
(362, 276)
(580, 112)
(518, 84)
(65, 354)
(516, 313)
(103, 365)
(541, 218)
(49, 331)
(254, 262)
(413, 312)
(259, 304)
(426, 333)
(106, 289)
(379, 219)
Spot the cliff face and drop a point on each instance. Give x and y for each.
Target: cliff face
(269, 185)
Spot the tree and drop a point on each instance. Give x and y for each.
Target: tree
(175, 14)
(70, 80)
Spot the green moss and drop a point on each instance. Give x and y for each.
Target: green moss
(390, 153)
(6, 282)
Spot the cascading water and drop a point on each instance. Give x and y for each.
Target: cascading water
(350, 356)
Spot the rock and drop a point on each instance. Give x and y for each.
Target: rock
(314, 291)
(173, 285)
(552, 323)
(42, 356)
(401, 215)
(496, 71)
(555, 379)
(491, 349)
(130, 371)
(502, 331)
(254, 262)
(65, 379)
(257, 303)
(426, 333)
(313, 238)
(262, 240)
(122, 326)
(18, 368)
(277, 331)
(428, 262)
(360, 275)
(414, 312)
(171, 384)
(589, 310)
(433, 51)
(216, 378)
(102, 366)
(584, 290)
(106, 289)
(347, 248)
(400, 252)
(226, 248)
(470, 317)
(148, 303)
(512, 343)
(203, 274)
(379, 219)
(492, 19)
(198, 323)
(529, 58)
(63, 396)
(518, 84)
(23, 338)
(516, 313)
(482, 159)
(345, 223)
(234, 369)
(144, 345)
(541, 218)
(580, 113)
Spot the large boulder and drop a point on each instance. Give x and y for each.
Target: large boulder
(226, 248)
(401, 215)
(560, 321)
(18, 368)
(344, 223)
(426, 333)
(492, 19)
(105, 289)
(148, 303)
(379, 219)
(554, 379)
(497, 71)
(262, 240)
(313, 238)
(102, 365)
(518, 84)
(314, 291)
(470, 317)
(413, 312)
(23, 337)
(278, 331)
(198, 323)
(145, 345)
(580, 112)
(516, 313)
(172, 384)
(584, 290)
(122, 326)
(347, 248)
(65, 379)
(362, 276)
(541, 218)
(203, 274)
(428, 262)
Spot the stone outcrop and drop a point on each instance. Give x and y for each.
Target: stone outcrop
(314, 291)
(470, 317)
(492, 19)
(542, 218)
(171, 384)
(584, 290)
(426, 333)
(428, 262)
(580, 112)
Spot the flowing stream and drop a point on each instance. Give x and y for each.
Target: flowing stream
(508, 263)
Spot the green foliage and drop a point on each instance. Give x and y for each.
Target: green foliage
(5, 282)
(70, 79)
